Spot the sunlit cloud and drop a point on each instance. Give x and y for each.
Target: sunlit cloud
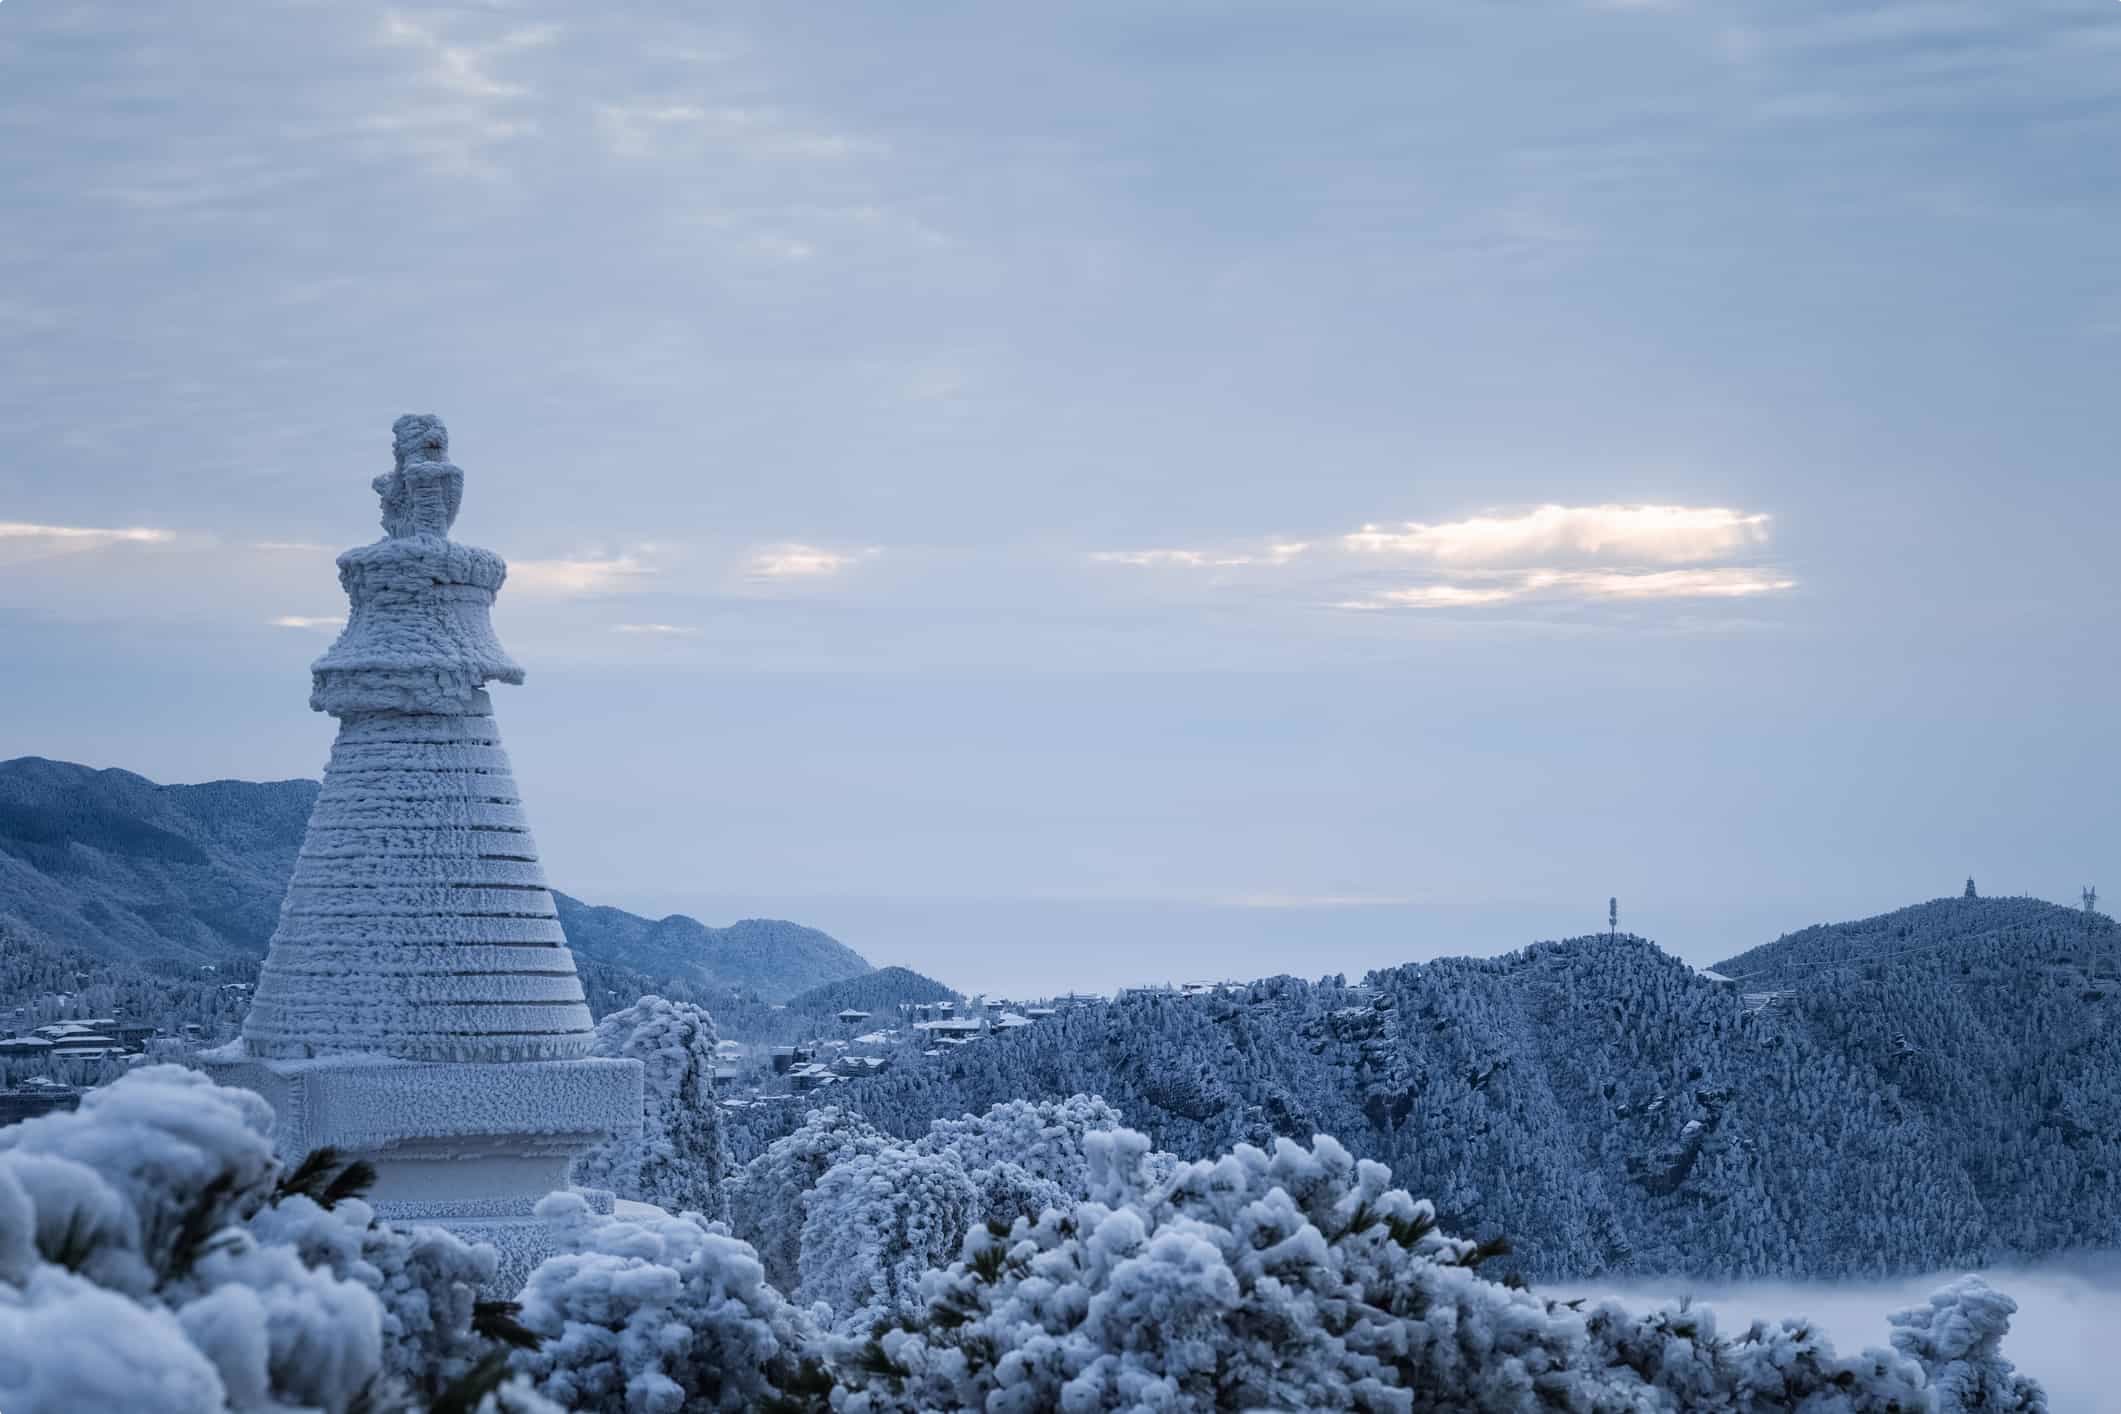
(1663, 584)
(1582, 584)
(798, 561)
(1660, 534)
(1550, 554)
(661, 630)
(569, 577)
(307, 622)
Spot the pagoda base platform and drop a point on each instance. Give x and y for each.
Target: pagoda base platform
(470, 1146)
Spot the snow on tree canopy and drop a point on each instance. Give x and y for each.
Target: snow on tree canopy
(1958, 1338)
(180, 1269)
(677, 1161)
(766, 1195)
(657, 1316)
(875, 1224)
(1300, 1279)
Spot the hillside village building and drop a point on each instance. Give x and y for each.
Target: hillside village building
(419, 1007)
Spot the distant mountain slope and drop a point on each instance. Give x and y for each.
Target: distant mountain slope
(112, 864)
(1998, 1022)
(1797, 959)
(767, 956)
(881, 992)
(1613, 1112)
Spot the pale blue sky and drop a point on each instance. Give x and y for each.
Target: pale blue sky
(936, 445)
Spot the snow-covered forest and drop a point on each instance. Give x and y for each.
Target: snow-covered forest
(156, 1255)
(1949, 1101)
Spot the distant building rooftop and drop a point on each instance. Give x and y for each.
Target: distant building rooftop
(952, 1026)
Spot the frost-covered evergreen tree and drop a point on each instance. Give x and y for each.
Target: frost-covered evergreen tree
(766, 1195)
(677, 1161)
(1023, 1156)
(658, 1316)
(867, 1217)
(875, 1224)
(1958, 1338)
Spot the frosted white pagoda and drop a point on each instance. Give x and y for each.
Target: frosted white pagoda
(418, 1006)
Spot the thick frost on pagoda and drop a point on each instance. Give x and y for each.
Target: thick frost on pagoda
(418, 1006)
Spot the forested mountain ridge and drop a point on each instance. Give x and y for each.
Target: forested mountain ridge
(2000, 1019)
(1799, 959)
(1613, 1111)
(112, 866)
(773, 958)
(880, 993)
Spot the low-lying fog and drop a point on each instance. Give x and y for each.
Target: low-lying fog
(2067, 1309)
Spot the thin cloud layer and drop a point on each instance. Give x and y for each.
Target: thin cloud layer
(1434, 596)
(568, 578)
(657, 630)
(798, 561)
(1309, 901)
(26, 542)
(1280, 553)
(81, 536)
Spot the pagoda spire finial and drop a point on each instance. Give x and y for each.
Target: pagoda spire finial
(421, 494)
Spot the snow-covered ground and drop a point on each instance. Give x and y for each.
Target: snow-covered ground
(2068, 1310)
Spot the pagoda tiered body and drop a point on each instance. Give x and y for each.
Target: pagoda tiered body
(419, 1007)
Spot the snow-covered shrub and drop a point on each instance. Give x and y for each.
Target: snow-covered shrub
(1023, 1156)
(657, 1315)
(277, 1331)
(140, 1196)
(1678, 1357)
(153, 1256)
(143, 1170)
(68, 1344)
(874, 1222)
(677, 1161)
(875, 1225)
(425, 1279)
(1958, 1338)
(766, 1195)
(1300, 1279)
(1043, 1137)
